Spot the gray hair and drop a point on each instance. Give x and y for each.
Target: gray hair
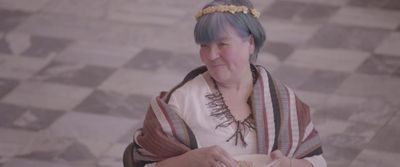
(210, 27)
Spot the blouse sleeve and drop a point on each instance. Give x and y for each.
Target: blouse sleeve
(314, 156)
(317, 161)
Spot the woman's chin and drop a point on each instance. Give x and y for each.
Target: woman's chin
(220, 77)
(219, 73)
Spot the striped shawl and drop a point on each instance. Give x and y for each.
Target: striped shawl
(282, 122)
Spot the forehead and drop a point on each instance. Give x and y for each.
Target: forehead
(215, 27)
(227, 33)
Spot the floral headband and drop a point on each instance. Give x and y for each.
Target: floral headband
(228, 8)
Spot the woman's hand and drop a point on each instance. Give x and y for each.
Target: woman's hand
(282, 161)
(213, 156)
(279, 159)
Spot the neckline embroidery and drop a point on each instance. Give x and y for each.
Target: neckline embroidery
(221, 111)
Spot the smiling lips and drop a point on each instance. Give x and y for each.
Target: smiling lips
(216, 64)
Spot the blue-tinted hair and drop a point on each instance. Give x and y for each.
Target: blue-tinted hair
(211, 27)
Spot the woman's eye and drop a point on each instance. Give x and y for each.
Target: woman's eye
(204, 46)
(223, 44)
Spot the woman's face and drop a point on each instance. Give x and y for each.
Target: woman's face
(227, 59)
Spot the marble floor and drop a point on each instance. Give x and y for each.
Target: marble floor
(76, 75)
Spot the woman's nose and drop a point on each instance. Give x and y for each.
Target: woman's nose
(213, 53)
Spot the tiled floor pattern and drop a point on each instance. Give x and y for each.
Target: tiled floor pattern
(76, 75)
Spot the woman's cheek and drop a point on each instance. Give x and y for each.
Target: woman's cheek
(228, 54)
(203, 55)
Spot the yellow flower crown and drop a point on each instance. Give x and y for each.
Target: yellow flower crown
(227, 8)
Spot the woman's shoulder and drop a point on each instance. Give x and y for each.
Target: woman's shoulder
(193, 87)
(187, 95)
(192, 81)
(270, 79)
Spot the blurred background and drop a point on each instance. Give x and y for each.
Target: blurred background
(76, 76)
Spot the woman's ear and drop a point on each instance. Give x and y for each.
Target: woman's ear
(251, 45)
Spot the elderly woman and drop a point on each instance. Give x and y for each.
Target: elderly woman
(228, 107)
